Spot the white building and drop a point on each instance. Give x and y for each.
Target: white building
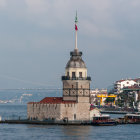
(97, 91)
(119, 85)
(138, 107)
(137, 80)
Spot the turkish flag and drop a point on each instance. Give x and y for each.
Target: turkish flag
(76, 28)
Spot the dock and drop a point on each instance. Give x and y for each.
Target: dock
(45, 122)
(115, 112)
(119, 121)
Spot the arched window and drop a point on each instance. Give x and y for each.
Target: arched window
(73, 75)
(80, 74)
(74, 116)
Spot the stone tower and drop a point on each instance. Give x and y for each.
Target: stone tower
(75, 103)
(76, 86)
(76, 83)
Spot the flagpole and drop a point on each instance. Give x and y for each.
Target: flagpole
(76, 40)
(76, 29)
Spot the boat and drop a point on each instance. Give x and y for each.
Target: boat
(103, 120)
(132, 118)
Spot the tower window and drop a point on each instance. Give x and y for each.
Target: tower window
(73, 75)
(74, 116)
(80, 74)
(68, 74)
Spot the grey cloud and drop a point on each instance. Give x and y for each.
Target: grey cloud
(36, 37)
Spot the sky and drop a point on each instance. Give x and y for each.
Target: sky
(36, 37)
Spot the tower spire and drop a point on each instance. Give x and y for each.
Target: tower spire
(76, 29)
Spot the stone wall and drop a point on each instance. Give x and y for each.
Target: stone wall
(75, 88)
(76, 70)
(80, 84)
(68, 111)
(83, 100)
(43, 111)
(76, 111)
(83, 111)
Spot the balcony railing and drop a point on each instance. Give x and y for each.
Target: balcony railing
(76, 78)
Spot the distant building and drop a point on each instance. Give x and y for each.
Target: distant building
(75, 103)
(133, 92)
(119, 85)
(94, 112)
(94, 93)
(137, 80)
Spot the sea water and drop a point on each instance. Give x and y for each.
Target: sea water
(55, 132)
(58, 132)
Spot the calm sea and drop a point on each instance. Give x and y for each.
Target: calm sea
(41, 132)
(48, 132)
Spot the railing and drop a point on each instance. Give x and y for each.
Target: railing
(75, 53)
(75, 78)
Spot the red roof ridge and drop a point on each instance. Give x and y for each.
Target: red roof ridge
(53, 100)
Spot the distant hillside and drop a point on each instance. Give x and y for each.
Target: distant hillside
(26, 95)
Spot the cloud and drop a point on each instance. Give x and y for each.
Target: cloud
(37, 6)
(97, 17)
(2, 3)
(33, 29)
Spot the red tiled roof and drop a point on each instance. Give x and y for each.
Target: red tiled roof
(132, 87)
(92, 108)
(137, 79)
(31, 102)
(126, 80)
(120, 80)
(54, 100)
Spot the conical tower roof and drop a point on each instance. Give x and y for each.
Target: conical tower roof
(76, 60)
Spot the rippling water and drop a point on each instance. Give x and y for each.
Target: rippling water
(48, 132)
